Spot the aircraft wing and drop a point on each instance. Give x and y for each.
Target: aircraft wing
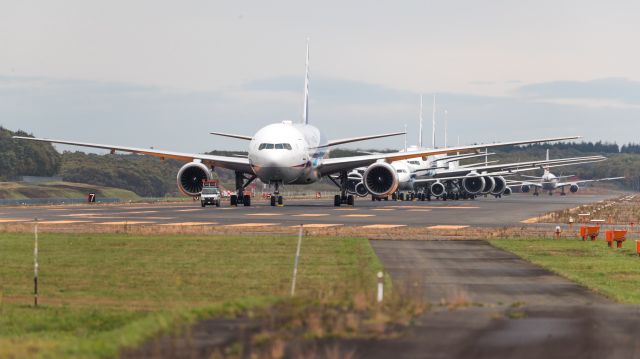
(333, 165)
(511, 168)
(358, 139)
(564, 184)
(232, 163)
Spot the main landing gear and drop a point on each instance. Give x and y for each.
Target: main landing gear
(241, 183)
(276, 198)
(342, 198)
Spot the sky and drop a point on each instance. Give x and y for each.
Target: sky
(165, 73)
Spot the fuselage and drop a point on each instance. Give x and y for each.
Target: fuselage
(549, 181)
(287, 153)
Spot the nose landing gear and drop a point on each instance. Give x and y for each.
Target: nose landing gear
(276, 198)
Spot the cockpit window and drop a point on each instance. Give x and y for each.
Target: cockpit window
(402, 171)
(277, 146)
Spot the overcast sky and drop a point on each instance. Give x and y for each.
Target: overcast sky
(165, 73)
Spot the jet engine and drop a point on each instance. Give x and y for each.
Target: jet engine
(353, 179)
(438, 189)
(500, 185)
(190, 178)
(473, 184)
(489, 185)
(361, 190)
(380, 179)
(525, 188)
(574, 188)
(507, 191)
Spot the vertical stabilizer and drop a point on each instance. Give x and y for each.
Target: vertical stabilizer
(405, 138)
(305, 111)
(420, 127)
(546, 168)
(446, 124)
(433, 124)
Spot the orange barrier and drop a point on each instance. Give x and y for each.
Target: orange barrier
(616, 236)
(638, 247)
(589, 231)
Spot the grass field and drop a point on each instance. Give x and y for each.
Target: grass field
(101, 292)
(612, 272)
(22, 190)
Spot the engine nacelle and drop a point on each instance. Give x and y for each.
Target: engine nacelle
(473, 184)
(507, 191)
(500, 185)
(574, 188)
(353, 178)
(438, 189)
(190, 178)
(361, 190)
(489, 185)
(525, 188)
(380, 179)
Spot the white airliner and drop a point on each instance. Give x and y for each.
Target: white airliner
(292, 153)
(550, 182)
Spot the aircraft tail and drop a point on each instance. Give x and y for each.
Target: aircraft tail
(305, 111)
(546, 168)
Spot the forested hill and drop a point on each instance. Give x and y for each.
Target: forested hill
(26, 158)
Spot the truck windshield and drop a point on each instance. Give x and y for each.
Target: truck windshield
(209, 191)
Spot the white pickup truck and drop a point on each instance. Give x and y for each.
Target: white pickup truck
(210, 195)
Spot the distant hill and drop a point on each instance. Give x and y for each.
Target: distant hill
(26, 158)
(22, 190)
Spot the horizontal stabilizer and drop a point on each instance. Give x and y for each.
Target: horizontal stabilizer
(242, 137)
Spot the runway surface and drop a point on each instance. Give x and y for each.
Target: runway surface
(513, 309)
(313, 213)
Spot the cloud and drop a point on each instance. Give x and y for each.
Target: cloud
(609, 91)
(333, 90)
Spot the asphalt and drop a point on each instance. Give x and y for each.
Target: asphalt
(488, 212)
(505, 307)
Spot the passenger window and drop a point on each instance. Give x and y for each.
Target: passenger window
(279, 146)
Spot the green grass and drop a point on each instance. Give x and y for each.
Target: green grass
(99, 293)
(614, 273)
(23, 190)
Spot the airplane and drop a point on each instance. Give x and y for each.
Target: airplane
(550, 182)
(442, 176)
(292, 153)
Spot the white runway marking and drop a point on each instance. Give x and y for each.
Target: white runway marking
(263, 214)
(189, 210)
(9, 220)
(358, 215)
(310, 215)
(383, 209)
(419, 210)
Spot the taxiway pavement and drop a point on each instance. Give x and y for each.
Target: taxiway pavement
(488, 212)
